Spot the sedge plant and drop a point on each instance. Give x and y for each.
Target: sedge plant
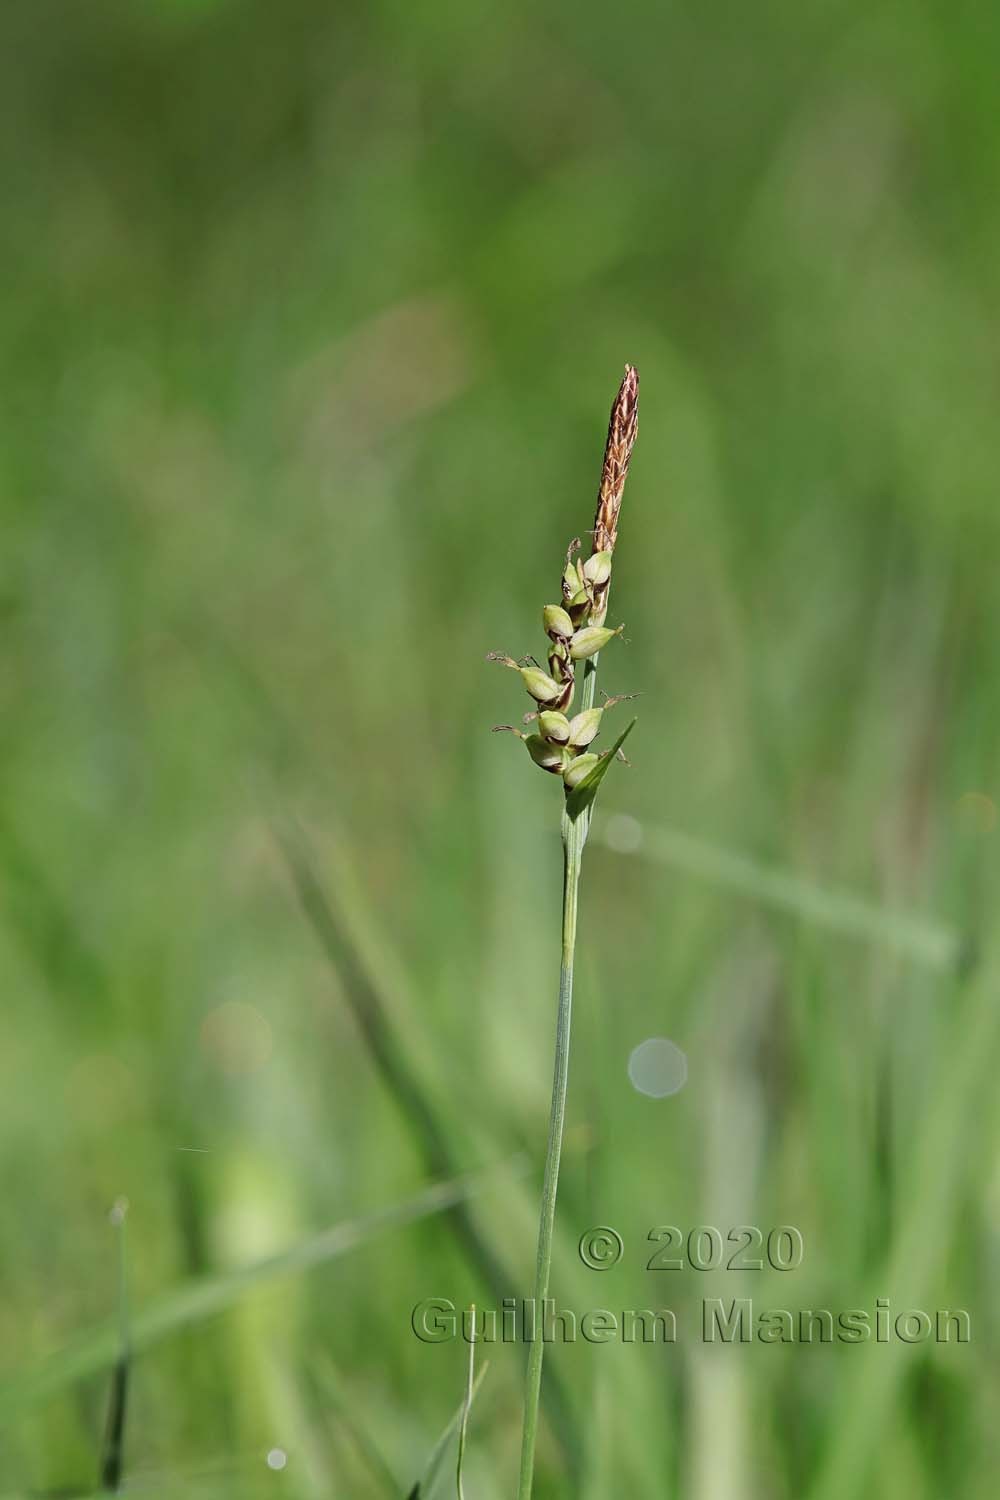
(560, 742)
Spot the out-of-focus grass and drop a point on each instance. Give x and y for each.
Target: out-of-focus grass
(309, 321)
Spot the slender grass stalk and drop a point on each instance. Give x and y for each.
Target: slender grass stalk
(574, 833)
(577, 633)
(113, 1451)
(463, 1426)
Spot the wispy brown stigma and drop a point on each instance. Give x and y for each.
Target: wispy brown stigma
(622, 429)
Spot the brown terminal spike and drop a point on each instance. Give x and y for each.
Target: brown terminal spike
(622, 430)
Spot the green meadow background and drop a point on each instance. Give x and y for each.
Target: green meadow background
(310, 320)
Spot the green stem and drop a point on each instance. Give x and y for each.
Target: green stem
(574, 833)
(589, 681)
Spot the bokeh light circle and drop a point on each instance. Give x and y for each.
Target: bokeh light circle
(657, 1067)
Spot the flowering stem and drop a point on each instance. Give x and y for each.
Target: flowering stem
(574, 835)
(577, 632)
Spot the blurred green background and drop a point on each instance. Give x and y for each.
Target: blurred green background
(310, 319)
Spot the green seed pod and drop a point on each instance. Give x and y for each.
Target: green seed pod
(541, 687)
(597, 569)
(576, 770)
(549, 757)
(584, 727)
(557, 622)
(590, 640)
(553, 726)
(572, 579)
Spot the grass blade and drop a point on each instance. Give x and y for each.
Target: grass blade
(863, 1411)
(194, 1301)
(370, 1011)
(424, 1487)
(345, 1406)
(923, 939)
